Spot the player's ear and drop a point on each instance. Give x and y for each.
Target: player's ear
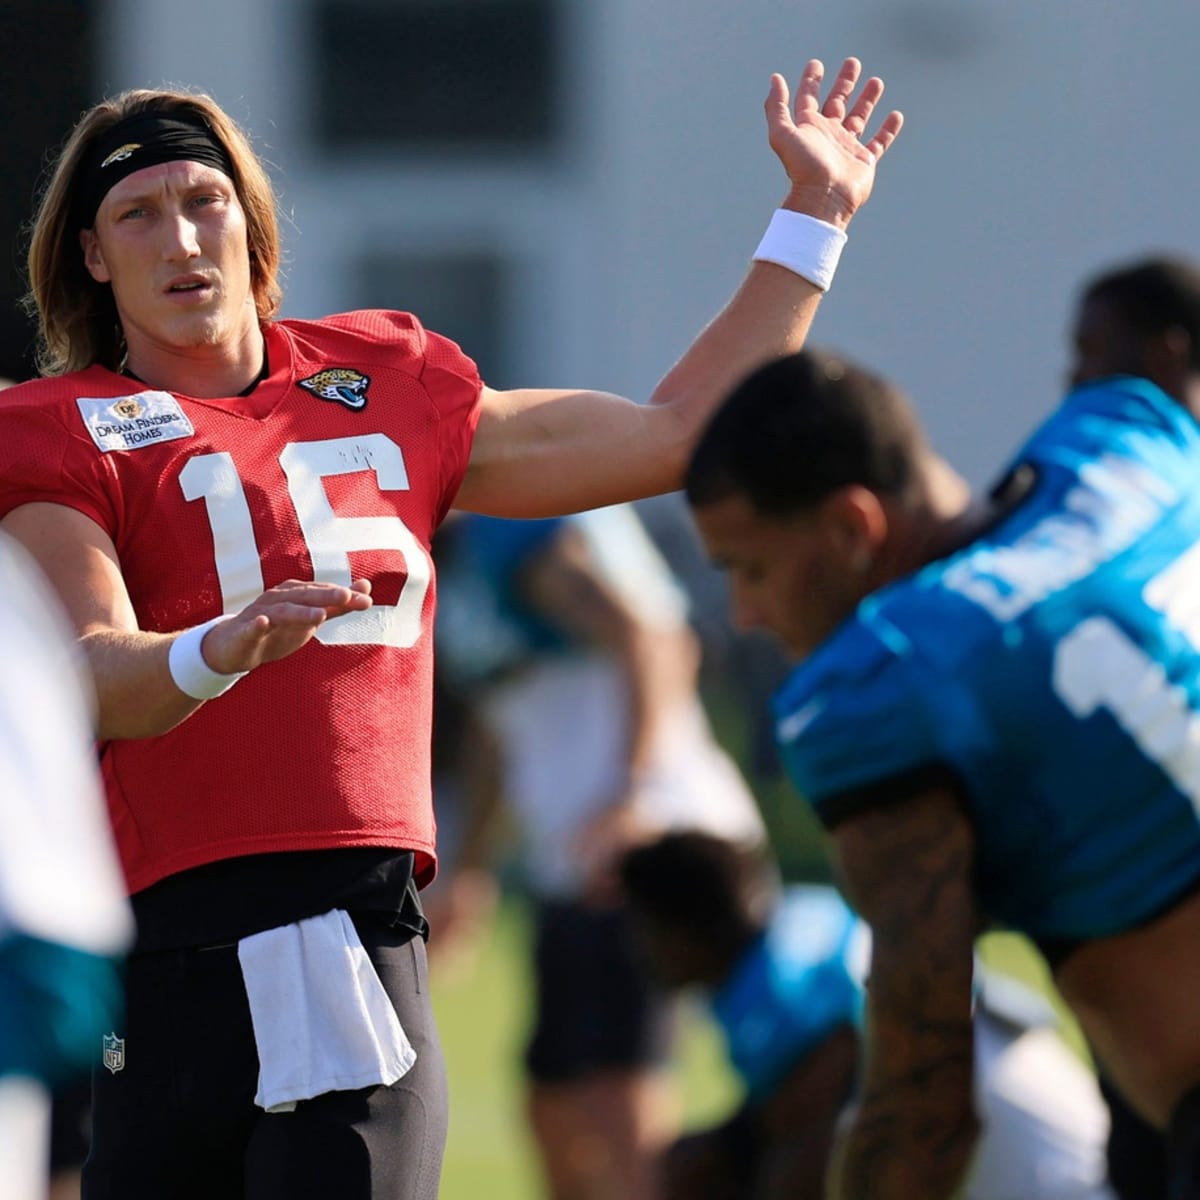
(93, 258)
(1168, 359)
(856, 525)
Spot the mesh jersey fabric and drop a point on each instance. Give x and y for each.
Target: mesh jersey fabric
(339, 464)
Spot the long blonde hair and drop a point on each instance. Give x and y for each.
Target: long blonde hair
(77, 318)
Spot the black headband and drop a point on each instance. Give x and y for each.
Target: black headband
(143, 140)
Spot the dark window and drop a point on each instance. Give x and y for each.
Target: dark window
(46, 56)
(425, 73)
(460, 296)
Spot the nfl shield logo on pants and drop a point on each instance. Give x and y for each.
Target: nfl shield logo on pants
(114, 1052)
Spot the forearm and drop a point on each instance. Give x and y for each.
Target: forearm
(889, 1149)
(907, 868)
(136, 695)
(768, 317)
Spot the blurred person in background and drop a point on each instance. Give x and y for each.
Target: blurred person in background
(585, 679)
(992, 712)
(64, 919)
(236, 511)
(783, 970)
(1140, 318)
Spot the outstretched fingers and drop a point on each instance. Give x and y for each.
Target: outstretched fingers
(808, 90)
(296, 602)
(885, 135)
(823, 142)
(843, 87)
(856, 119)
(837, 106)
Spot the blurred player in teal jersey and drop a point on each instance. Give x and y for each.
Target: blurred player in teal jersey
(994, 713)
(585, 679)
(64, 921)
(783, 971)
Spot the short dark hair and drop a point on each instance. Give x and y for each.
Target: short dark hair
(700, 884)
(799, 428)
(1153, 296)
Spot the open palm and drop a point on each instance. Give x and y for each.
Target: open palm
(822, 146)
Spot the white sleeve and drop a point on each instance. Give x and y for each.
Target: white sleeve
(59, 876)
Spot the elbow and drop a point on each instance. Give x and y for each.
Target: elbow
(679, 427)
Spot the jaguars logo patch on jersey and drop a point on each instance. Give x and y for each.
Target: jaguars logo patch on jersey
(344, 385)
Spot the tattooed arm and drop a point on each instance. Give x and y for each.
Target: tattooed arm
(906, 868)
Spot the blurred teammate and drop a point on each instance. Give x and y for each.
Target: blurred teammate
(591, 700)
(236, 511)
(1141, 318)
(783, 970)
(64, 921)
(993, 714)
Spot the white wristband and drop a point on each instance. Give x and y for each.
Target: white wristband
(804, 245)
(192, 675)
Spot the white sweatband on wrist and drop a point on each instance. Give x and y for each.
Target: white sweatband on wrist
(192, 675)
(804, 245)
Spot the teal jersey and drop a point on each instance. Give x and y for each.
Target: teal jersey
(804, 978)
(1049, 668)
(799, 982)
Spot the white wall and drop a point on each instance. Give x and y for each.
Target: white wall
(1044, 139)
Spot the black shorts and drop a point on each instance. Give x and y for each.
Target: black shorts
(596, 1007)
(178, 1120)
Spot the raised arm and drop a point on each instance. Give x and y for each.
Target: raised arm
(907, 869)
(540, 452)
(136, 688)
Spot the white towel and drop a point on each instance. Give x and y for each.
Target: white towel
(322, 1021)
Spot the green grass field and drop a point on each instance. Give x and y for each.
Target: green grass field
(482, 1012)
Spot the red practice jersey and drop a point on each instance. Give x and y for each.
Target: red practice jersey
(339, 465)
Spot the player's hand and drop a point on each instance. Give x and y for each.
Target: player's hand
(279, 622)
(823, 146)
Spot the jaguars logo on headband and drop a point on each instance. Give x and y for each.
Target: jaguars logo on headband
(121, 153)
(345, 385)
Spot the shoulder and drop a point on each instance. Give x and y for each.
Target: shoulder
(873, 705)
(56, 391)
(1123, 416)
(814, 933)
(400, 336)
(801, 981)
(42, 417)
